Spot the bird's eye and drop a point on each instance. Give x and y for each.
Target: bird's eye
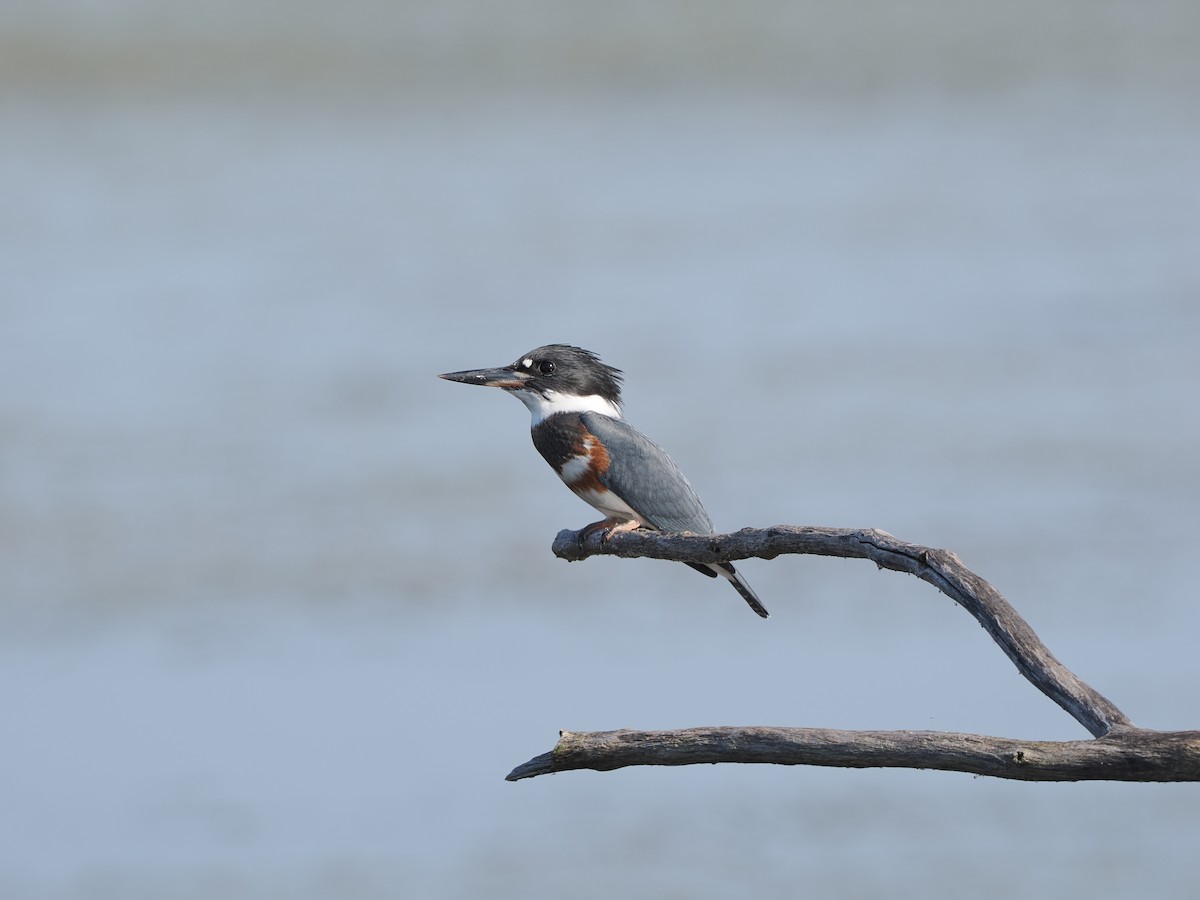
(546, 367)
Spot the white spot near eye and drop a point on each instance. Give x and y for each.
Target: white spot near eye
(527, 362)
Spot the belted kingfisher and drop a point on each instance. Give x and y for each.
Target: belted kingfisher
(575, 400)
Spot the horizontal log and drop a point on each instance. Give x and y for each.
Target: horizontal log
(1132, 754)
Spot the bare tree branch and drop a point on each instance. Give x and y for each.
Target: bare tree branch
(1128, 755)
(1119, 752)
(941, 568)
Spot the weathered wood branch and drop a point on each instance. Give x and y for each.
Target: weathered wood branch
(1134, 754)
(1119, 751)
(941, 568)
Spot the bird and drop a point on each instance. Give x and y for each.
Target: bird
(577, 425)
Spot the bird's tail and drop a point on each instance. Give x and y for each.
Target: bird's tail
(730, 574)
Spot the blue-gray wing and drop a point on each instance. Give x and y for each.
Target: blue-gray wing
(642, 474)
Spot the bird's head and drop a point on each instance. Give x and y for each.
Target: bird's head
(552, 379)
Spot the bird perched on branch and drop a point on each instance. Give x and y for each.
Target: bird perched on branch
(575, 401)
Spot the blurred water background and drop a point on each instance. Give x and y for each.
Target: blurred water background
(278, 608)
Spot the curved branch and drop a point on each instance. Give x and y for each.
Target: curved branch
(1119, 751)
(1129, 755)
(941, 568)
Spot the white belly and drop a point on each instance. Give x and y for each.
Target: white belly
(610, 504)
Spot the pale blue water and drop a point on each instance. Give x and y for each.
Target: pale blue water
(279, 610)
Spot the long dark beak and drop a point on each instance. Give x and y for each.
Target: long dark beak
(504, 377)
